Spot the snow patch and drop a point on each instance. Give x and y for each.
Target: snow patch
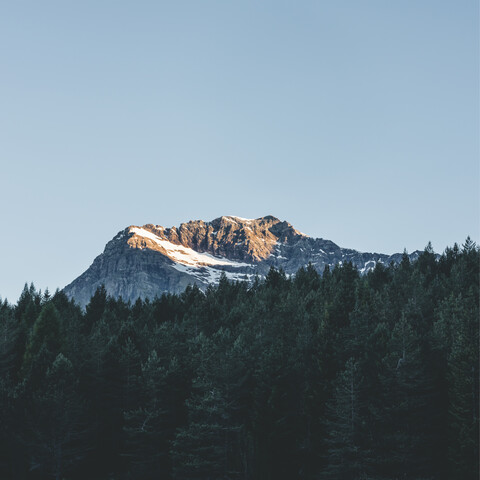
(212, 274)
(370, 265)
(240, 218)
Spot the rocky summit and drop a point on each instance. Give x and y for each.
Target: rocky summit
(146, 261)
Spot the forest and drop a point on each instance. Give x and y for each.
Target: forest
(331, 376)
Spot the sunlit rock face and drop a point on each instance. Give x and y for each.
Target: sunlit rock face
(149, 260)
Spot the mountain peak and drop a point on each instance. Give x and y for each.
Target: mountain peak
(145, 261)
(242, 220)
(239, 238)
(238, 219)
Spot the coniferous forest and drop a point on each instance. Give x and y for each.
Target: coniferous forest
(332, 376)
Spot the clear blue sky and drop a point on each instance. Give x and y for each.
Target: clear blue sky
(357, 121)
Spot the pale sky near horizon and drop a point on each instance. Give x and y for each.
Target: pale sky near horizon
(356, 121)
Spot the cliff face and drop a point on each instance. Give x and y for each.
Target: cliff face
(231, 237)
(150, 260)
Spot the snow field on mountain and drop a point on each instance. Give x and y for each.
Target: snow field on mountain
(185, 255)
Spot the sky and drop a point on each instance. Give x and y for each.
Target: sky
(355, 121)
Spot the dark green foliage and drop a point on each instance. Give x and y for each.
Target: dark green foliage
(346, 425)
(150, 427)
(55, 427)
(44, 343)
(309, 377)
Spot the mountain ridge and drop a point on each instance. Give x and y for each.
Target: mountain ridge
(146, 261)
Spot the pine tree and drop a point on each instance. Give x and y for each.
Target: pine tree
(348, 456)
(44, 344)
(203, 448)
(56, 439)
(409, 413)
(95, 308)
(149, 428)
(456, 333)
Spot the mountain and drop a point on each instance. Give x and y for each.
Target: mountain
(150, 260)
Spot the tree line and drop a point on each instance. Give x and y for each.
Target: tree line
(331, 376)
